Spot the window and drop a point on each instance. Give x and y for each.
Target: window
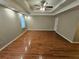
(22, 20)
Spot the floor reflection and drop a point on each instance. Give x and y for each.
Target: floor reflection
(41, 45)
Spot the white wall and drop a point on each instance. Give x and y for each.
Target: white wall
(67, 23)
(9, 26)
(41, 23)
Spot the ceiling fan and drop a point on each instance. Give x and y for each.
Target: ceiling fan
(43, 5)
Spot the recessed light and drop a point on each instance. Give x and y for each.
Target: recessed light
(29, 17)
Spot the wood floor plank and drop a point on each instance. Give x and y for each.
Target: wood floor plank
(41, 45)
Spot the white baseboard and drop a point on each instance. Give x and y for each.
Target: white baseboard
(40, 29)
(64, 37)
(12, 41)
(75, 42)
(67, 38)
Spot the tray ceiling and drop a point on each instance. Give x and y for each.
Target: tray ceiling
(33, 7)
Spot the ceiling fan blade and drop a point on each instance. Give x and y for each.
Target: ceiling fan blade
(49, 6)
(37, 5)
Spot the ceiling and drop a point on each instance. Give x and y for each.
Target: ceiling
(33, 7)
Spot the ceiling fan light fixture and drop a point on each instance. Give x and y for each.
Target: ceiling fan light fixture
(45, 4)
(42, 8)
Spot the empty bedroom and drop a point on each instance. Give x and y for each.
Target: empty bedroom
(39, 29)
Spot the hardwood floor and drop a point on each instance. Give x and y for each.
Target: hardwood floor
(41, 45)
